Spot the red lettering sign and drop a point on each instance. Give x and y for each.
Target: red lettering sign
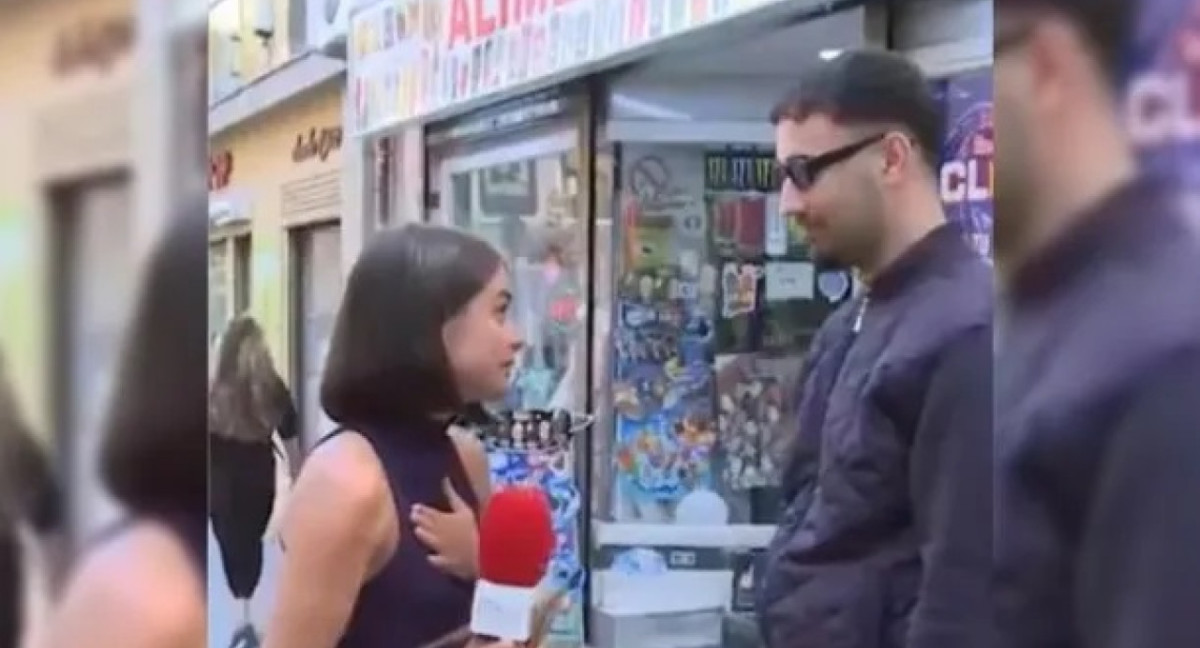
(639, 21)
(485, 25)
(460, 22)
(471, 21)
(527, 9)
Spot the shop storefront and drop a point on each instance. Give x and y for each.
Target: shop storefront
(275, 207)
(619, 154)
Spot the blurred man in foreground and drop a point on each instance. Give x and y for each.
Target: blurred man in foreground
(886, 539)
(1098, 361)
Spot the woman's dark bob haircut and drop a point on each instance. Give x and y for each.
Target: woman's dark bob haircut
(154, 457)
(387, 360)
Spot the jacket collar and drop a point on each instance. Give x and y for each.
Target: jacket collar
(1133, 213)
(940, 246)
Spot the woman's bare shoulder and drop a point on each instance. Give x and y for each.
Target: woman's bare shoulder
(139, 588)
(344, 468)
(341, 488)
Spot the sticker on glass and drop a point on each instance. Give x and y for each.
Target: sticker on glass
(787, 281)
(776, 243)
(739, 289)
(833, 284)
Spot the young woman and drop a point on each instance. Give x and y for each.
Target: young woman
(141, 583)
(380, 534)
(248, 404)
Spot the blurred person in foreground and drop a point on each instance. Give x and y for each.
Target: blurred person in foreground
(140, 583)
(1098, 357)
(885, 541)
(381, 534)
(30, 524)
(249, 405)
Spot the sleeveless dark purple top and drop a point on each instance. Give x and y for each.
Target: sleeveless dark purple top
(410, 603)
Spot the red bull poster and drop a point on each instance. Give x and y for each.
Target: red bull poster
(965, 176)
(1162, 92)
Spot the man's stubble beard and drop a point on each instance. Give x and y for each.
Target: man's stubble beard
(864, 249)
(1015, 186)
(1012, 202)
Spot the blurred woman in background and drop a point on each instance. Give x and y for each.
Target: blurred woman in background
(30, 521)
(140, 584)
(249, 403)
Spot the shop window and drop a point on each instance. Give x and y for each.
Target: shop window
(95, 286)
(527, 208)
(525, 197)
(218, 289)
(715, 301)
(242, 274)
(316, 295)
(384, 179)
(225, 51)
(297, 27)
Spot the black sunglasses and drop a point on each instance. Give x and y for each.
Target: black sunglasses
(803, 170)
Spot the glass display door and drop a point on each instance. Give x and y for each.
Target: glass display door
(526, 199)
(714, 301)
(717, 299)
(318, 291)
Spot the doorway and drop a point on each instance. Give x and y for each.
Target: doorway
(93, 283)
(317, 292)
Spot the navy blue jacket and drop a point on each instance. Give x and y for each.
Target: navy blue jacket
(886, 538)
(1098, 434)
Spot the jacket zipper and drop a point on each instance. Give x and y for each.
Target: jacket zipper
(862, 311)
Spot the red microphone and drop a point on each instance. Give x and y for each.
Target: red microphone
(516, 541)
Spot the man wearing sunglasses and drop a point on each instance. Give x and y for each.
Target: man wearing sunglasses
(1098, 361)
(885, 541)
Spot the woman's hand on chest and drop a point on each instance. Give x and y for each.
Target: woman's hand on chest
(452, 536)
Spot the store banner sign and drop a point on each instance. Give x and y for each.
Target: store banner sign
(968, 152)
(411, 58)
(1162, 91)
(387, 44)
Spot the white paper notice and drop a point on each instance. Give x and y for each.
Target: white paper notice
(789, 280)
(776, 242)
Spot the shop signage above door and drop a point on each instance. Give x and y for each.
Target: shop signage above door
(317, 143)
(411, 60)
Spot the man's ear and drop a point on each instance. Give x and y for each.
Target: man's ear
(1057, 54)
(898, 154)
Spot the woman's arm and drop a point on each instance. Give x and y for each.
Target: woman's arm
(289, 427)
(338, 521)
